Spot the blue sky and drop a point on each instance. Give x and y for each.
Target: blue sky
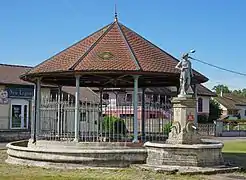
(32, 31)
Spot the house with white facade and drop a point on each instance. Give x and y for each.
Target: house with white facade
(120, 101)
(232, 105)
(16, 105)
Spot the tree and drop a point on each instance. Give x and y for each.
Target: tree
(240, 92)
(237, 92)
(215, 111)
(222, 88)
(244, 92)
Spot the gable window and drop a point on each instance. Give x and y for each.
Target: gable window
(200, 105)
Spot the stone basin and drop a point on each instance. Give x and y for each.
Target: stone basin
(75, 155)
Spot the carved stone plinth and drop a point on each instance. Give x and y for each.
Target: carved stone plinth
(183, 129)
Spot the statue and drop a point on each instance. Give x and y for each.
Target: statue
(186, 74)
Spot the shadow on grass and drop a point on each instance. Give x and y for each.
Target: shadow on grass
(235, 159)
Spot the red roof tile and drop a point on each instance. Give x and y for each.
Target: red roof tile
(113, 48)
(9, 74)
(112, 42)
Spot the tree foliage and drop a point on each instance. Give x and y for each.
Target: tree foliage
(240, 92)
(214, 114)
(215, 111)
(221, 87)
(226, 89)
(167, 128)
(112, 124)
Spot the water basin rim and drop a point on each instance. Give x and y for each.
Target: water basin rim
(73, 151)
(184, 146)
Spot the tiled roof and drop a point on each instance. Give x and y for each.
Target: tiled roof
(113, 48)
(231, 101)
(201, 90)
(9, 74)
(204, 91)
(86, 94)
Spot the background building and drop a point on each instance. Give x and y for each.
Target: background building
(232, 106)
(16, 104)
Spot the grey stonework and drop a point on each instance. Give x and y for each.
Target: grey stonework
(184, 146)
(183, 130)
(201, 155)
(14, 135)
(19, 153)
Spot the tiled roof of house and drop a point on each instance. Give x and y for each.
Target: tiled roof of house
(9, 74)
(113, 48)
(86, 94)
(231, 101)
(204, 91)
(201, 90)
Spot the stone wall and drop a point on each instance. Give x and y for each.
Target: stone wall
(14, 135)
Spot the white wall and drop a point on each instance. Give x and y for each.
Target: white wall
(242, 111)
(4, 113)
(205, 102)
(205, 110)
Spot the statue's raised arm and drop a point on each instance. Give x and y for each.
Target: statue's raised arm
(178, 66)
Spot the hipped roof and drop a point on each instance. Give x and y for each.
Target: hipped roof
(112, 49)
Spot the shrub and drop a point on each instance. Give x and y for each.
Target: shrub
(202, 119)
(112, 124)
(167, 128)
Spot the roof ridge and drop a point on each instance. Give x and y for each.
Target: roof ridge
(129, 47)
(91, 47)
(15, 65)
(152, 44)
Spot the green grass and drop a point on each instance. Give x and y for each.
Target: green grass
(235, 146)
(13, 172)
(234, 151)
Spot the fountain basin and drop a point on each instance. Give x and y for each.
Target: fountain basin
(73, 155)
(207, 154)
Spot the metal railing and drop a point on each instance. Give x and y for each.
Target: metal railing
(106, 123)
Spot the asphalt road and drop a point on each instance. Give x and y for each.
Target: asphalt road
(3, 145)
(229, 138)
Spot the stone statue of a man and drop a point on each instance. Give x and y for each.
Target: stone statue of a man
(186, 74)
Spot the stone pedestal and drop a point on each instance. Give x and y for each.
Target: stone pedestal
(184, 146)
(183, 129)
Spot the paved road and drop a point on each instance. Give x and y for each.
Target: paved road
(231, 176)
(3, 145)
(229, 138)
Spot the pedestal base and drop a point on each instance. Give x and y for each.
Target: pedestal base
(199, 155)
(184, 138)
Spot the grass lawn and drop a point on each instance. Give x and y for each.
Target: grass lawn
(236, 146)
(233, 151)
